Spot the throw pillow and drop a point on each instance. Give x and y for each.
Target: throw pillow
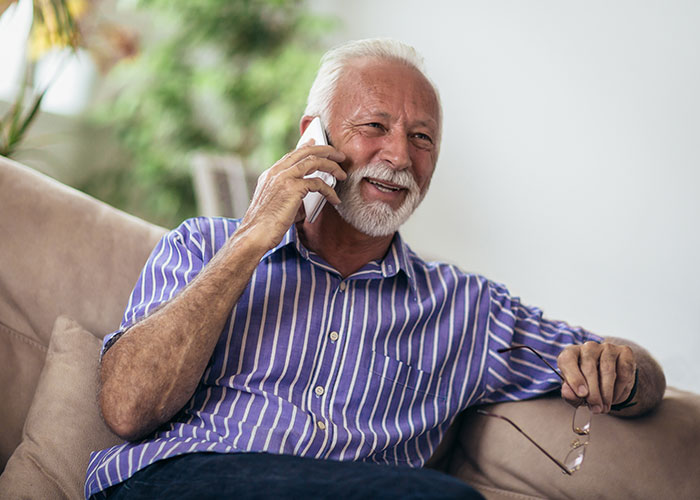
(63, 425)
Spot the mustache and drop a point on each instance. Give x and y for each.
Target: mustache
(383, 172)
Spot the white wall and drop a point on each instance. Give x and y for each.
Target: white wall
(570, 162)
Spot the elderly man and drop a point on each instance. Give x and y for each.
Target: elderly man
(275, 357)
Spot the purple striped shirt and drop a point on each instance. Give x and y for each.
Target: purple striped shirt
(373, 367)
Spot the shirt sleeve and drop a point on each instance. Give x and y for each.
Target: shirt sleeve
(175, 261)
(520, 374)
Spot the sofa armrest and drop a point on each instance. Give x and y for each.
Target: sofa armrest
(654, 456)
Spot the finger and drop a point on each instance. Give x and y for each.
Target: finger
(568, 394)
(590, 356)
(622, 389)
(626, 367)
(607, 373)
(312, 164)
(319, 185)
(291, 159)
(569, 364)
(328, 152)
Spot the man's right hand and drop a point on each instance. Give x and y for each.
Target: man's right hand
(277, 201)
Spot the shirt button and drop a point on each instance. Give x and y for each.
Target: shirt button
(343, 286)
(334, 336)
(321, 425)
(319, 390)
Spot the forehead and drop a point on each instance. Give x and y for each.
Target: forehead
(388, 87)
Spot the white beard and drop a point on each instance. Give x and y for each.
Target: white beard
(377, 218)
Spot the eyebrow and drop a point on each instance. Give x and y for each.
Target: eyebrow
(432, 124)
(428, 123)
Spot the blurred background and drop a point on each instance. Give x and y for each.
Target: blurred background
(569, 168)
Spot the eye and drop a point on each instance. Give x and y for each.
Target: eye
(373, 129)
(423, 141)
(423, 137)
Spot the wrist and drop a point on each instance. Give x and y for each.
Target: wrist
(258, 235)
(249, 243)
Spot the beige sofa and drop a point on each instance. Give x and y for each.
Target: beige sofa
(67, 265)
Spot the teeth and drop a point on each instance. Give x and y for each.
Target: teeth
(383, 187)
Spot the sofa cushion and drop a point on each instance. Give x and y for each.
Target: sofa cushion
(63, 425)
(649, 457)
(21, 360)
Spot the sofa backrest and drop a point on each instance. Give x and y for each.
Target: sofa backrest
(61, 253)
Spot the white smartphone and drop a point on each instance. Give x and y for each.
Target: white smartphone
(314, 201)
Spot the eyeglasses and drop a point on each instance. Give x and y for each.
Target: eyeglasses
(580, 425)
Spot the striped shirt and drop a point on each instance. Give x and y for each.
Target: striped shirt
(371, 367)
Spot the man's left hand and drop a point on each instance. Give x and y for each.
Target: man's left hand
(601, 374)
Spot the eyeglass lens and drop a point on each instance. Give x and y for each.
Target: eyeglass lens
(575, 457)
(581, 424)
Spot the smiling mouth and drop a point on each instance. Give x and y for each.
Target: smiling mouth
(384, 187)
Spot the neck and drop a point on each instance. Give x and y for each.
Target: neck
(340, 244)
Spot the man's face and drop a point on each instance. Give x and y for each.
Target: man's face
(384, 118)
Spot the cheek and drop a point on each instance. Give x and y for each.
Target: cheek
(423, 173)
(424, 185)
(360, 151)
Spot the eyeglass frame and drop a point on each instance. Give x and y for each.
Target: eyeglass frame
(580, 431)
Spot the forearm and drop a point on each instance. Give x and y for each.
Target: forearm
(651, 382)
(154, 368)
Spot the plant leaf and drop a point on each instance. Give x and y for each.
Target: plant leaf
(29, 118)
(4, 4)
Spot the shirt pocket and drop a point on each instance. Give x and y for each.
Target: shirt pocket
(402, 376)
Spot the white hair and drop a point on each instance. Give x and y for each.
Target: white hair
(334, 61)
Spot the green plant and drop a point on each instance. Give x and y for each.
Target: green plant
(15, 123)
(53, 25)
(219, 76)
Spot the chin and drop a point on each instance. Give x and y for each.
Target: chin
(373, 217)
(376, 219)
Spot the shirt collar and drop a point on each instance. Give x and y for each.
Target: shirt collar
(397, 258)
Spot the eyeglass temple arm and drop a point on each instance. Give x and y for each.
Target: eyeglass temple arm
(559, 464)
(533, 351)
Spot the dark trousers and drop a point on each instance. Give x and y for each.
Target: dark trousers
(248, 476)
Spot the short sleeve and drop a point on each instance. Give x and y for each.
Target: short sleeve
(520, 374)
(175, 261)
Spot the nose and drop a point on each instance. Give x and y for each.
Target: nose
(395, 150)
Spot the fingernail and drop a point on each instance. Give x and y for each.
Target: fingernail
(581, 391)
(597, 409)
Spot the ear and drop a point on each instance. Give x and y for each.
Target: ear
(304, 123)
